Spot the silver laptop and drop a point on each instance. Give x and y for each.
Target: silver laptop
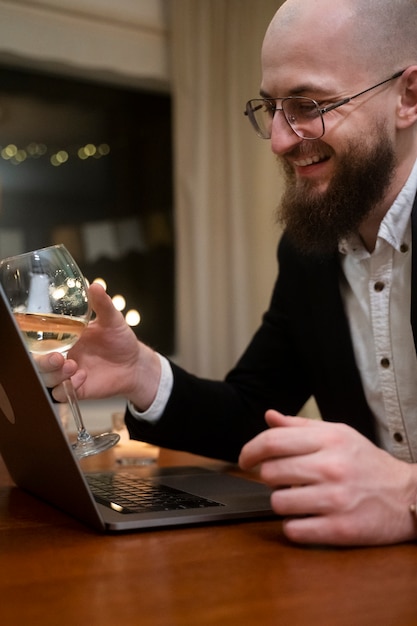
(40, 460)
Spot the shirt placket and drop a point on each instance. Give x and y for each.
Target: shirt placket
(380, 281)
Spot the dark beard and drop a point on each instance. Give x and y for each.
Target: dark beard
(316, 221)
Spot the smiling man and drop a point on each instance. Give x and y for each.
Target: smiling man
(338, 104)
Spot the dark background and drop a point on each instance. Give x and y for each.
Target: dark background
(132, 184)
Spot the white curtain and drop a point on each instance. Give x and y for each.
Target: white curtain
(226, 180)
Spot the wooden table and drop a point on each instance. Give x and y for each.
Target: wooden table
(54, 571)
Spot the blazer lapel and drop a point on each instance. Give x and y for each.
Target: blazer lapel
(337, 354)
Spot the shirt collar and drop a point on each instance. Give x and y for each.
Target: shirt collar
(393, 227)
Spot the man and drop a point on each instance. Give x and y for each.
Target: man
(339, 104)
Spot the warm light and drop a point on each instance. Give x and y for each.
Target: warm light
(20, 156)
(90, 149)
(62, 156)
(103, 149)
(82, 154)
(119, 302)
(59, 293)
(86, 151)
(132, 317)
(10, 151)
(102, 282)
(34, 150)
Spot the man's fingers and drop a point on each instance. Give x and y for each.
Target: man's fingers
(54, 368)
(103, 306)
(287, 436)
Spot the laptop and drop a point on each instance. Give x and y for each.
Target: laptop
(40, 460)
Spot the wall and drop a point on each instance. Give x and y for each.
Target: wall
(122, 42)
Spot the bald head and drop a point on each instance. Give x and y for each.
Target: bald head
(379, 34)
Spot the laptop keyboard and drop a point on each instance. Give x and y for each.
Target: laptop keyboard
(126, 493)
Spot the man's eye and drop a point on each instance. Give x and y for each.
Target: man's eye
(269, 107)
(303, 110)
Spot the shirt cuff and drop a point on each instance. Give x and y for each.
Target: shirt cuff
(157, 407)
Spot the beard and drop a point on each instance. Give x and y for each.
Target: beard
(316, 221)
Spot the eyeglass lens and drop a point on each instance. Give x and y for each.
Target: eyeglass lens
(302, 114)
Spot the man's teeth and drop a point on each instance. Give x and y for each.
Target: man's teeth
(309, 161)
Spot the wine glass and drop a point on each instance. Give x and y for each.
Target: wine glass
(48, 296)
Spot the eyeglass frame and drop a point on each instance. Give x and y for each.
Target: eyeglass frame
(249, 111)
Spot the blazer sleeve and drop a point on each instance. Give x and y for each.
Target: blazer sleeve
(215, 418)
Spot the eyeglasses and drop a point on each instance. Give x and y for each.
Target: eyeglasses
(304, 115)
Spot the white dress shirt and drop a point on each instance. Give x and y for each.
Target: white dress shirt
(376, 291)
(377, 298)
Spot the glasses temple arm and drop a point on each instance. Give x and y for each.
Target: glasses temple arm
(339, 103)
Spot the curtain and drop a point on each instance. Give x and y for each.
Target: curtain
(227, 183)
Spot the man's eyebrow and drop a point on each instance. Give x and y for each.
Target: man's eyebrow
(299, 91)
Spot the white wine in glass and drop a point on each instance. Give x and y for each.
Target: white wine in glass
(49, 298)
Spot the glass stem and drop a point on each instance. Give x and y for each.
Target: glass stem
(83, 435)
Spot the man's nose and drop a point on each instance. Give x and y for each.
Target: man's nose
(283, 138)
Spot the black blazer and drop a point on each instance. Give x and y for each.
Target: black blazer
(303, 348)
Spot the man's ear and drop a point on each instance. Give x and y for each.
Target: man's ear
(407, 103)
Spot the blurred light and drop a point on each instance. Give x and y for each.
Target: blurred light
(10, 150)
(20, 156)
(132, 317)
(103, 149)
(62, 156)
(119, 302)
(59, 158)
(82, 154)
(102, 282)
(35, 150)
(59, 293)
(90, 149)
(86, 151)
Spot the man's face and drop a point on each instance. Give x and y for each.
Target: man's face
(333, 183)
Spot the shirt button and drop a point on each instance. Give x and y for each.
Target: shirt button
(385, 363)
(398, 437)
(404, 247)
(379, 286)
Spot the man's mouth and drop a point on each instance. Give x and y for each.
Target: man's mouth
(310, 161)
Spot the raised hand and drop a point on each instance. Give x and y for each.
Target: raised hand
(107, 360)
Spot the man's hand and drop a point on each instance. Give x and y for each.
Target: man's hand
(106, 361)
(331, 484)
